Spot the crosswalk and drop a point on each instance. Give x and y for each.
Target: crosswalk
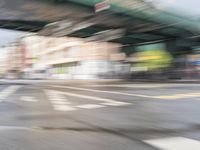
(64, 100)
(28, 99)
(174, 143)
(8, 91)
(61, 101)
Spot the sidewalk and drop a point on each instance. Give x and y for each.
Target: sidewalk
(100, 81)
(192, 81)
(61, 81)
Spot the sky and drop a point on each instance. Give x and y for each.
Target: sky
(8, 36)
(184, 7)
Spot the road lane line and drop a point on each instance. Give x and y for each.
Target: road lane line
(8, 91)
(174, 143)
(90, 106)
(165, 97)
(28, 99)
(144, 85)
(58, 101)
(105, 101)
(178, 96)
(134, 85)
(102, 91)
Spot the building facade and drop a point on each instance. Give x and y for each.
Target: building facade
(69, 57)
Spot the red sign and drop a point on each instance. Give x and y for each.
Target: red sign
(102, 6)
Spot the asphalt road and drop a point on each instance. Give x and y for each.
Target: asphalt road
(124, 116)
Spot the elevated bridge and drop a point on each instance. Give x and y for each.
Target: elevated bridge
(130, 22)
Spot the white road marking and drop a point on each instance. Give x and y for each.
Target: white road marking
(105, 101)
(101, 91)
(58, 101)
(116, 104)
(174, 143)
(90, 106)
(166, 97)
(63, 108)
(28, 99)
(8, 91)
(134, 85)
(178, 96)
(146, 85)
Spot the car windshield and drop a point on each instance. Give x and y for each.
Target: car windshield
(99, 74)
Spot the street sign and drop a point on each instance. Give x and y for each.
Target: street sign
(104, 5)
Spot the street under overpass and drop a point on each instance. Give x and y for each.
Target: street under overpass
(130, 22)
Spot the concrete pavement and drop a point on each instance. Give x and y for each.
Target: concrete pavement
(51, 115)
